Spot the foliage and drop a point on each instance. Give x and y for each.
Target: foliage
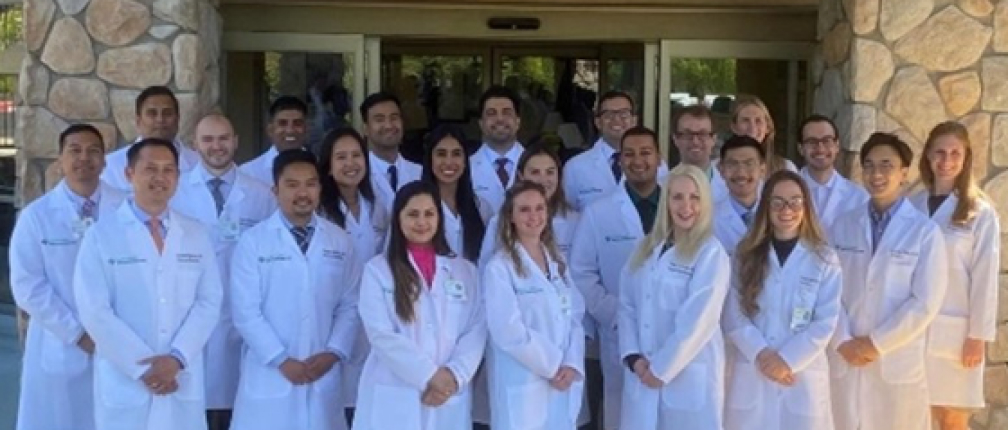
(701, 77)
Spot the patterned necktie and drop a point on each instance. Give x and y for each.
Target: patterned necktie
(88, 209)
(747, 218)
(502, 172)
(217, 193)
(617, 171)
(154, 225)
(302, 235)
(393, 177)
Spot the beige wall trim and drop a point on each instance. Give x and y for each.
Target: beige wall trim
(585, 25)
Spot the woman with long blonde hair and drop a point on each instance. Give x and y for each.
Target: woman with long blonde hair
(781, 313)
(967, 319)
(535, 358)
(751, 117)
(672, 292)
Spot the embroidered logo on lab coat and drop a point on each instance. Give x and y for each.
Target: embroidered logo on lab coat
(59, 242)
(334, 254)
(124, 261)
(276, 258)
(184, 258)
(619, 238)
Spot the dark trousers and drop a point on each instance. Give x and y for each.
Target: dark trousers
(593, 384)
(349, 414)
(218, 419)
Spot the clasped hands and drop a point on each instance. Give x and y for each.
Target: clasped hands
(312, 369)
(772, 365)
(160, 377)
(440, 388)
(859, 351)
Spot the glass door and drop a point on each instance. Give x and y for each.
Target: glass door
(714, 72)
(326, 71)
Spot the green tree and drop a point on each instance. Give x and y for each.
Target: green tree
(701, 77)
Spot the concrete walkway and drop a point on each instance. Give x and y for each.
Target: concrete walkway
(10, 367)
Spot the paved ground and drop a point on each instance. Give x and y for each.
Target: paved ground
(10, 367)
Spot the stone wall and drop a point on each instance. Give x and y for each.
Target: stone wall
(89, 59)
(902, 66)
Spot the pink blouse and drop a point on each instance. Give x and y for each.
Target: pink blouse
(424, 257)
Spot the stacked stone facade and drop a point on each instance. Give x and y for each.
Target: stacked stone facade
(903, 66)
(89, 59)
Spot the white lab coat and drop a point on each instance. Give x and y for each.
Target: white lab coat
(584, 178)
(606, 237)
(247, 203)
(890, 296)
(292, 305)
(970, 305)
(485, 182)
(114, 173)
(261, 167)
(534, 323)
(670, 312)
(449, 331)
(563, 232)
(136, 303)
(407, 171)
(453, 224)
(798, 311)
(368, 236)
(56, 388)
(843, 197)
(728, 225)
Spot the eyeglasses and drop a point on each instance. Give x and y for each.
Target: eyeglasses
(884, 167)
(616, 114)
(778, 204)
(824, 141)
(736, 165)
(694, 135)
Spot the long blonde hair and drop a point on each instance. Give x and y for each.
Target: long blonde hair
(774, 162)
(508, 238)
(752, 256)
(969, 193)
(685, 247)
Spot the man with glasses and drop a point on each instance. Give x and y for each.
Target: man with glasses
(584, 176)
(693, 137)
(832, 194)
(743, 165)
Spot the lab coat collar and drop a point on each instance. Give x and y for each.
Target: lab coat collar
(631, 219)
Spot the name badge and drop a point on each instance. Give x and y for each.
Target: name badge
(80, 226)
(455, 289)
(229, 228)
(800, 318)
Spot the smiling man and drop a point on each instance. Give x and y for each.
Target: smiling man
(229, 202)
(148, 288)
(832, 194)
(383, 127)
(157, 116)
(606, 235)
(287, 129)
(743, 166)
(495, 163)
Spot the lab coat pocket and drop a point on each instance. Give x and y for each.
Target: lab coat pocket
(527, 405)
(395, 408)
(745, 386)
(60, 358)
(116, 389)
(946, 337)
(264, 382)
(688, 390)
(904, 365)
(809, 396)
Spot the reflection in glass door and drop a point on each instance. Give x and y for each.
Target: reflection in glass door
(715, 73)
(558, 85)
(326, 72)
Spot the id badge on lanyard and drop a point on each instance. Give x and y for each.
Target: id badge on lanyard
(80, 226)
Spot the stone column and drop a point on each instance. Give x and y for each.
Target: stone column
(903, 66)
(89, 59)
